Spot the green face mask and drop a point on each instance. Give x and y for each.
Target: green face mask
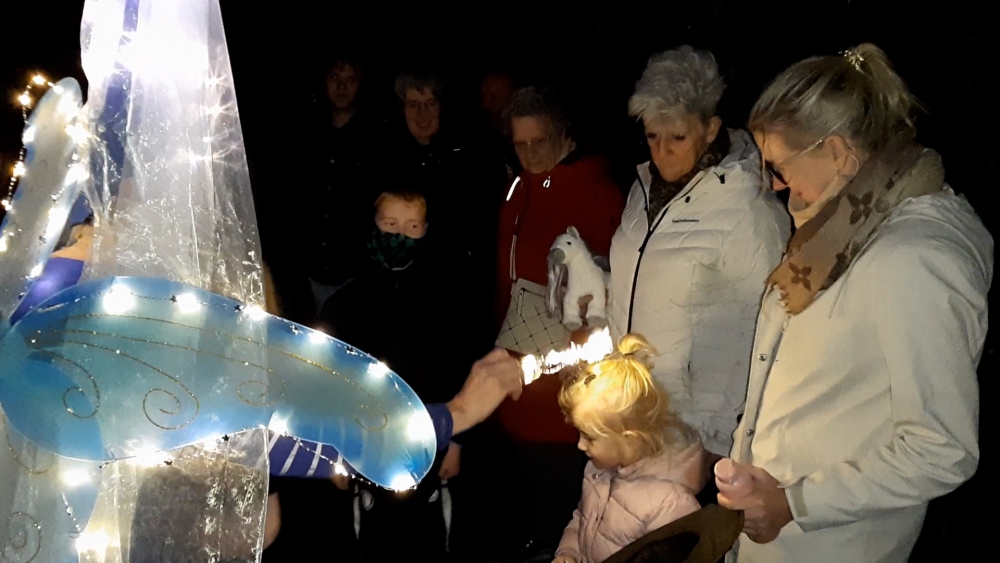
(394, 251)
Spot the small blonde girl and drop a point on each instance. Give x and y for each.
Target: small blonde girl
(645, 464)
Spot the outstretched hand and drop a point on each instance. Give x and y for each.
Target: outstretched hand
(492, 379)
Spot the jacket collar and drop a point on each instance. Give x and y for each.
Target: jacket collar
(743, 154)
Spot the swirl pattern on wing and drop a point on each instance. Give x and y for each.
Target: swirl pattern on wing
(113, 367)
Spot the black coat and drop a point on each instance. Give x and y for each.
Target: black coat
(338, 204)
(418, 320)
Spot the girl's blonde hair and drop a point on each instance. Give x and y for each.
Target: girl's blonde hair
(618, 397)
(856, 95)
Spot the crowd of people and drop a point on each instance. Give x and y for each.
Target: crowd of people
(827, 346)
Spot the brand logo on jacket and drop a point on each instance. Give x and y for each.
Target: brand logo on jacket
(686, 220)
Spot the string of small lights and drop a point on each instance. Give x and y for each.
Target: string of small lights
(26, 100)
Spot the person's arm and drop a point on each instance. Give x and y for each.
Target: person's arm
(569, 545)
(61, 272)
(291, 457)
(929, 306)
(492, 379)
(751, 251)
(272, 519)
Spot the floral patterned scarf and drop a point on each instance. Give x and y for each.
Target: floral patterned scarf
(820, 252)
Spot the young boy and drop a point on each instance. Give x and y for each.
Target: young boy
(401, 223)
(410, 309)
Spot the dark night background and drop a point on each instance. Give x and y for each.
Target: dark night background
(594, 52)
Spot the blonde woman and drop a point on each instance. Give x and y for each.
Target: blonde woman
(863, 400)
(645, 464)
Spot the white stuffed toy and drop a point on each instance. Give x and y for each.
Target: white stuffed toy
(571, 261)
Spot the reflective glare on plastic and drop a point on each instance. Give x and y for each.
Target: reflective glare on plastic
(46, 502)
(190, 504)
(113, 368)
(45, 195)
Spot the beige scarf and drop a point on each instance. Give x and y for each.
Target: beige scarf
(820, 252)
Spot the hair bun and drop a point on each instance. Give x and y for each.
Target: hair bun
(636, 347)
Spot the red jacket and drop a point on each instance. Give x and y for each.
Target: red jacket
(540, 207)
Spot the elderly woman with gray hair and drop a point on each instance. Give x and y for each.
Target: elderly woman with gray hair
(698, 238)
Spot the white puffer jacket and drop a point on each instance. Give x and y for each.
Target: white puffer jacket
(692, 285)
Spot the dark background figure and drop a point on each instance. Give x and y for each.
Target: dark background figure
(431, 152)
(945, 50)
(338, 198)
(496, 94)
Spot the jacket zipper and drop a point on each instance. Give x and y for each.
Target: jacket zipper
(649, 235)
(517, 226)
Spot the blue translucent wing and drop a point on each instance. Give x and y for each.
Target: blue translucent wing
(118, 367)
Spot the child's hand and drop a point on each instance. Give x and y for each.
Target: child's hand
(452, 463)
(563, 559)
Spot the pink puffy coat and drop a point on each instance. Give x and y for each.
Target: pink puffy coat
(619, 506)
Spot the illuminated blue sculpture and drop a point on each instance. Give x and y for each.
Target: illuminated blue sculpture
(163, 348)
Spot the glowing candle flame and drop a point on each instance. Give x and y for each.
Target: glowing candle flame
(597, 346)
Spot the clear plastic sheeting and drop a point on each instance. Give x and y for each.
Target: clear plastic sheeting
(172, 188)
(199, 504)
(52, 180)
(161, 144)
(196, 504)
(45, 501)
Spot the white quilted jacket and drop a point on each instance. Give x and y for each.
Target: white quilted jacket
(693, 284)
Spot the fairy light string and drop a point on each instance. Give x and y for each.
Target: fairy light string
(26, 100)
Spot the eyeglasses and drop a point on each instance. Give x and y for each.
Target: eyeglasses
(415, 106)
(773, 171)
(525, 146)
